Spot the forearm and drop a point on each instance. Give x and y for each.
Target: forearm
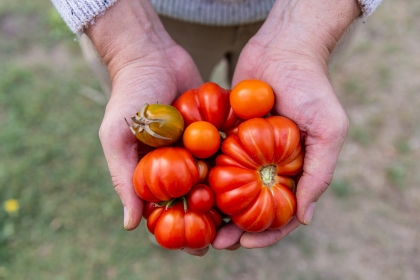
(308, 26)
(127, 31)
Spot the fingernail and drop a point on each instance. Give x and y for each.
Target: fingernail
(307, 217)
(126, 217)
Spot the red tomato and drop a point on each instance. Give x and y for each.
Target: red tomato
(216, 217)
(251, 99)
(200, 198)
(250, 178)
(177, 227)
(203, 170)
(201, 139)
(208, 103)
(165, 173)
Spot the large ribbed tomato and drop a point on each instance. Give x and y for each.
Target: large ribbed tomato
(208, 103)
(177, 226)
(251, 178)
(165, 173)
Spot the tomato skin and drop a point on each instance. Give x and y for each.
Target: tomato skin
(200, 198)
(252, 99)
(208, 103)
(203, 170)
(216, 217)
(251, 179)
(158, 125)
(165, 173)
(175, 227)
(201, 139)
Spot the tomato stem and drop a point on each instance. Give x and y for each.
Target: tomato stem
(141, 122)
(169, 203)
(268, 175)
(184, 200)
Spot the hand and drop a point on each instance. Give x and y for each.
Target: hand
(145, 66)
(291, 53)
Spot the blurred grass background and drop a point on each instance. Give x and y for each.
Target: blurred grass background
(69, 221)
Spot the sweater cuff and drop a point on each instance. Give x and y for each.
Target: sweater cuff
(79, 14)
(368, 6)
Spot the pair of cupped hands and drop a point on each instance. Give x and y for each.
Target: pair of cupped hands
(290, 52)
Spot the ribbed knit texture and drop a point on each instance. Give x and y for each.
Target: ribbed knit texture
(78, 14)
(215, 12)
(368, 6)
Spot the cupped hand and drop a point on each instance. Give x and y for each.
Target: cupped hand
(157, 77)
(145, 66)
(291, 55)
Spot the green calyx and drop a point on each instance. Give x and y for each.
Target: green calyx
(172, 202)
(268, 175)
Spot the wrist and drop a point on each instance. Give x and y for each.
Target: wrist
(311, 28)
(128, 31)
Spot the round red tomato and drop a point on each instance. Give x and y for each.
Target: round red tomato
(251, 177)
(200, 198)
(176, 226)
(251, 99)
(165, 173)
(201, 139)
(208, 103)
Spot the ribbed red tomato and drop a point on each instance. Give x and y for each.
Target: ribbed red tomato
(177, 226)
(251, 178)
(208, 103)
(165, 173)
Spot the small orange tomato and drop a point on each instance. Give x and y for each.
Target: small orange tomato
(251, 99)
(201, 139)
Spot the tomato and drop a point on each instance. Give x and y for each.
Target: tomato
(203, 170)
(251, 99)
(208, 103)
(176, 226)
(200, 198)
(216, 217)
(157, 125)
(201, 139)
(251, 179)
(165, 173)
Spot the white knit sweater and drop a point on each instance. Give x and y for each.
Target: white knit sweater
(78, 14)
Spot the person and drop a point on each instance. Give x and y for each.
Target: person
(286, 43)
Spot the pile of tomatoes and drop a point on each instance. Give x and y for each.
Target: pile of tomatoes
(218, 154)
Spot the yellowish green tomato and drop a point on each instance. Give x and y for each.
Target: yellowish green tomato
(157, 125)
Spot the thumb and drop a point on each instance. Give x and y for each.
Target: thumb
(121, 153)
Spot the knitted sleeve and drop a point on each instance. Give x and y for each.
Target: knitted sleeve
(368, 6)
(79, 14)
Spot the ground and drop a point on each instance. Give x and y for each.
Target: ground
(69, 222)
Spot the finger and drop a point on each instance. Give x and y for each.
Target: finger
(227, 236)
(321, 155)
(198, 253)
(234, 247)
(269, 237)
(121, 153)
